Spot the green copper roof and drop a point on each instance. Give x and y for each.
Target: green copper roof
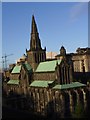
(28, 67)
(47, 66)
(16, 69)
(69, 86)
(14, 82)
(38, 83)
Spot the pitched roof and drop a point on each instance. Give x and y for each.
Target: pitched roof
(40, 83)
(69, 86)
(16, 69)
(14, 82)
(47, 66)
(27, 67)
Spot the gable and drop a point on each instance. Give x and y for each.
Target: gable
(48, 66)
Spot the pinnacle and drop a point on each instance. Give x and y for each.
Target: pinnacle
(34, 26)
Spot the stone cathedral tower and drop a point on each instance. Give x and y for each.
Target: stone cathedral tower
(35, 54)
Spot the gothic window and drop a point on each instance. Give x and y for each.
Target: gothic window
(62, 74)
(65, 78)
(38, 58)
(77, 66)
(68, 74)
(33, 43)
(89, 65)
(35, 58)
(42, 56)
(65, 75)
(83, 67)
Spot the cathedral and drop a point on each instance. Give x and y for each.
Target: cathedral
(52, 85)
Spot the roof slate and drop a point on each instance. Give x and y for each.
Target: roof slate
(39, 83)
(48, 66)
(69, 86)
(15, 82)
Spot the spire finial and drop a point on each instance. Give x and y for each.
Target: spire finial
(34, 26)
(35, 43)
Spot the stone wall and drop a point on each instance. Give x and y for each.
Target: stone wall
(54, 103)
(14, 88)
(45, 76)
(79, 61)
(60, 103)
(14, 76)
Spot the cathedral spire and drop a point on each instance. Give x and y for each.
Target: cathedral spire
(35, 43)
(34, 26)
(35, 54)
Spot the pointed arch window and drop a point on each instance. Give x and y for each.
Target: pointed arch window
(35, 57)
